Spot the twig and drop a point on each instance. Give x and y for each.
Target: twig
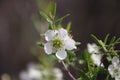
(68, 71)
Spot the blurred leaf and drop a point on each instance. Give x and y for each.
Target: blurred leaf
(77, 43)
(41, 44)
(83, 75)
(113, 40)
(95, 39)
(106, 39)
(59, 21)
(103, 45)
(71, 58)
(53, 11)
(46, 17)
(68, 27)
(50, 27)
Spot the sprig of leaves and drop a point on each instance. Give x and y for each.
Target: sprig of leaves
(106, 45)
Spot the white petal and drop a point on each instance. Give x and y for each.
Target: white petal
(34, 74)
(58, 74)
(115, 61)
(61, 54)
(24, 75)
(48, 48)
(50, 35)
(62, 33)
(117, 78)
(92, 48)
(111, 70)
(69, 43)
(96, 59)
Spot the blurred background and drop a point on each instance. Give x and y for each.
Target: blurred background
(19, 34)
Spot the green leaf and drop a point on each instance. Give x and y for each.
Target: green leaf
(41, 44)
(106, 39)
(59, 21)
(118, 40)
(87, 59)
(95, 39)
(112, 40)
(99, 42)
(46, 17)
(108, 77)
(103, 45)
(50, 27)
(95, 73)
(53, 11)
(77, 43)
(83, 75)
(68, 27)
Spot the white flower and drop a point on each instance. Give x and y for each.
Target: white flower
(58, 74)
(114, 68)
(58, 41)
(31, 74)
(92, 48)
(97, 59)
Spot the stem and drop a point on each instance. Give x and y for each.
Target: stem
(68, 71)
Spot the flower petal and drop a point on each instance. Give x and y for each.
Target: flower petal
(50, 35)
(69, 43)
(48, 48)
(115, 61)
(62, 33)
(111, 70)
(96, 59)
(117, 78)
(92, 48)
(61, 54)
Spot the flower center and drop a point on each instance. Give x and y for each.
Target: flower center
(57, 43)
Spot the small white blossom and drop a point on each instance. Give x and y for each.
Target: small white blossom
(97, 59)
(58, 41)
(114, 68)
(58, 74)
(31, 74)
(92, 48)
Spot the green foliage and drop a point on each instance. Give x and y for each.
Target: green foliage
(46, 17)
(106, 46)
(88, 70)
(59, 21)
(53, 11)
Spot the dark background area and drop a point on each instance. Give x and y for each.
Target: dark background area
(18, 34)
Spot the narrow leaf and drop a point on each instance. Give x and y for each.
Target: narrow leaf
(113, 40)
(68, 27)
(50, 27)
(95, 39)
(53, 11)
(40, 44)
(47, 18)
(59, 21)
(106, 39)
(83, 75)
(77, 43)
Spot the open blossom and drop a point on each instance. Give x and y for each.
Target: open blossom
(114, 68)
(97, 59)
(93, 49)
(33, 73)
(58, 41)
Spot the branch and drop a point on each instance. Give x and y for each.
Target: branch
(68, 71)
